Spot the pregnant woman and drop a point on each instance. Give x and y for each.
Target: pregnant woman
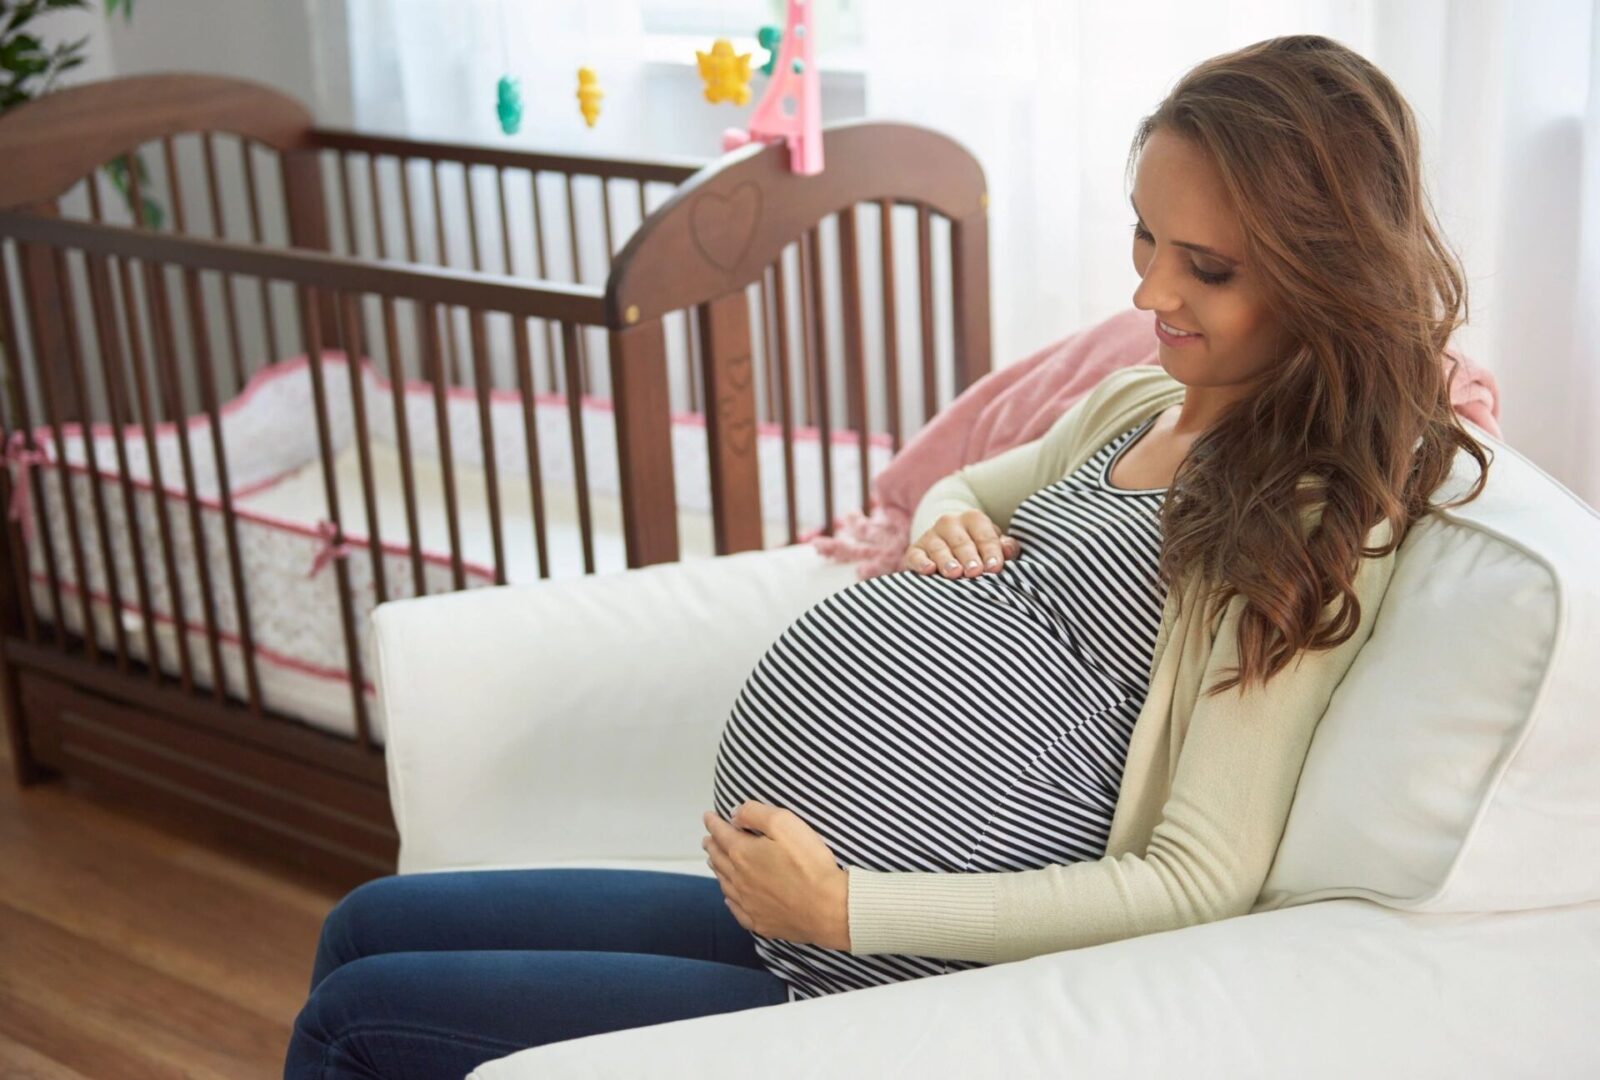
(1079, 711)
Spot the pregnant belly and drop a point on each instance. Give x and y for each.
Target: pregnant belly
(920, 723)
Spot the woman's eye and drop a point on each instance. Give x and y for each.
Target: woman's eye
(1206, 276)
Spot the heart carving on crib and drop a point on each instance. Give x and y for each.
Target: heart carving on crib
(722, 226)
(739, 433)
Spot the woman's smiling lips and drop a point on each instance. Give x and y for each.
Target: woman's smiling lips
(1175, 340)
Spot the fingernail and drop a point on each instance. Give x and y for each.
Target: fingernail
(972, 564)
(952, 565)
(993, 560)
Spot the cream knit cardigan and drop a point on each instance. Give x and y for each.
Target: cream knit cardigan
(1208, 782)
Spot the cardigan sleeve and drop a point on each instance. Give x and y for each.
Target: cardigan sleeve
(1207, 857)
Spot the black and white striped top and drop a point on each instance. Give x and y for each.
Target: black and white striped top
(966, 725)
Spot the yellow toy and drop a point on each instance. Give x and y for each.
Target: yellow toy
(589, 95)
(726, 73)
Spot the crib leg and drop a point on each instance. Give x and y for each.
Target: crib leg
(27, 769)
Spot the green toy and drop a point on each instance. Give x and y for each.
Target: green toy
(768, 38)
(508, 105)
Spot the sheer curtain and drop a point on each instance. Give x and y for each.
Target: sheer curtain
(1047, 94)
(1508, 100)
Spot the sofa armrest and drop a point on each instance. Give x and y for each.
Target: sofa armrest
(575, 717)
(1330, 990)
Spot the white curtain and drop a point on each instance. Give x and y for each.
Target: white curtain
(1508, 99)
(1047, 94)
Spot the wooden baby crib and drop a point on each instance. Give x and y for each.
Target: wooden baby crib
(251, 390)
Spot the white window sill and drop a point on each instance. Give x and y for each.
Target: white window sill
(678, 51)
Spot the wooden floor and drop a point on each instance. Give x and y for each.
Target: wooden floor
(134, 946)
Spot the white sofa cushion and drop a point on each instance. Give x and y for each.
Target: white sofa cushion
(1458, 765)
(1321, 992)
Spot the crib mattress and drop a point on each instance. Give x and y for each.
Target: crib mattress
(279, 495)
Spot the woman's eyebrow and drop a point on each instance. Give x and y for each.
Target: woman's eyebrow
(1186, 244)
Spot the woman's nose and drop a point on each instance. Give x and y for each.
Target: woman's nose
(1156, 291)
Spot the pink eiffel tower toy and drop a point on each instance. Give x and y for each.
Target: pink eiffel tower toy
(791, 109)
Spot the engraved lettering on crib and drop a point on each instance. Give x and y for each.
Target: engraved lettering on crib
(723, 226)
(737, 424)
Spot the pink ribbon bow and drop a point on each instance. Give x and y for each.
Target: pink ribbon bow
(334, 546)
(19, 457)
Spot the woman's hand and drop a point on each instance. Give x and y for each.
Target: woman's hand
(961, 544)
(783, 883)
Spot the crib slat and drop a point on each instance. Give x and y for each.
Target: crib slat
(472, 216)
(11, 363)
(109, 349)
(642, 395)
(48, 396)
(891, 329)
(811, 252)
(542, 272)
(530, 428)
(348, 324)
(785, 402)
(311, 325)
(730, 425)
(171, 396)
(403, 164)
(402, 427)
(174, 186)
(855, 366)
(572, 233)
(147, 422)
(218, 230)
(92, 187)
(769, 357)
(480, 360)
(105, 301)
(505, 219)
(582, 382)
(605, 211)
(230, 521)
(245, 161)
(969, 281)
(569, 352)
(444, 260)
(352, 236)
(78, 385)
(690, 368)
(430, 339)
(930, 375)
(375, 193)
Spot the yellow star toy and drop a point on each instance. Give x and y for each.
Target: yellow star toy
(726, 73)
(589, 95)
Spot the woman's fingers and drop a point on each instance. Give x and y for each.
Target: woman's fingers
(961, 545)
(944, 560)
(962, 549)
(986, 540)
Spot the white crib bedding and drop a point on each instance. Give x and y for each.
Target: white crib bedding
(279, 499)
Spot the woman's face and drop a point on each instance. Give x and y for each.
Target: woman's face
(1181, 206)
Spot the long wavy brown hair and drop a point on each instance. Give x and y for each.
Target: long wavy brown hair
(1321, 161)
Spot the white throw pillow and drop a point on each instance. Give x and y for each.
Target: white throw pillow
(1458, 765)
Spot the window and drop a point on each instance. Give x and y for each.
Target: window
(837, 22)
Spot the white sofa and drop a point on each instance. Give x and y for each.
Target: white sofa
(1447, 823)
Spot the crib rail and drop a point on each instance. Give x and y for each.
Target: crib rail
(896, 227)
(115, 327)
(551, 217)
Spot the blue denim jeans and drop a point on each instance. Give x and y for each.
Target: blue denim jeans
(430, 975)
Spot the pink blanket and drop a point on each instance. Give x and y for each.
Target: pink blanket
(1017, 404)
